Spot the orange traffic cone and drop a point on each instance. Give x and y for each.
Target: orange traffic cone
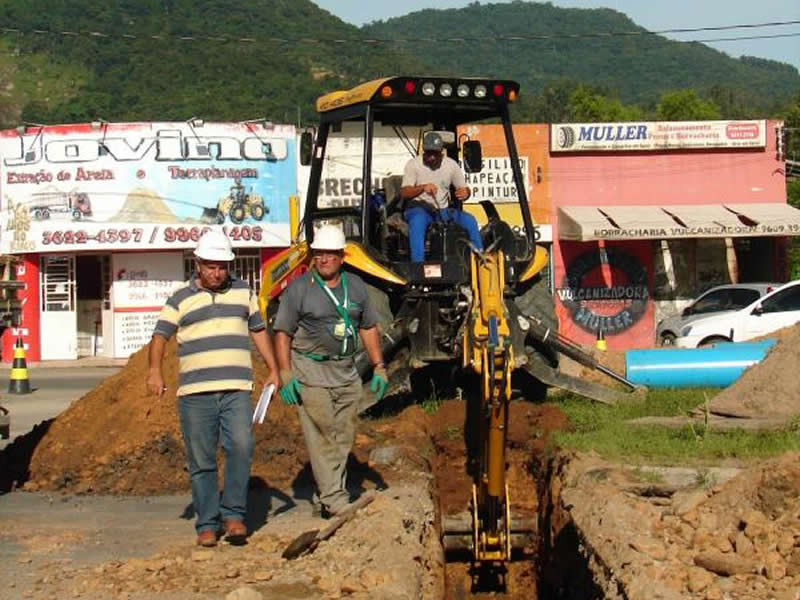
(601, 341)
(19, 383)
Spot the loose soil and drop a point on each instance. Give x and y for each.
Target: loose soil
(769, 389)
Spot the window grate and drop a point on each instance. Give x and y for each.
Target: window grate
(57, 281)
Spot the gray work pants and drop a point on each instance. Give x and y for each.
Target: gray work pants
(328, 419)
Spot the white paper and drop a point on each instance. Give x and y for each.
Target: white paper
(263, 403)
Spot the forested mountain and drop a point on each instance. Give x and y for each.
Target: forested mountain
(63, 78)
(78, 60)
(637, 68)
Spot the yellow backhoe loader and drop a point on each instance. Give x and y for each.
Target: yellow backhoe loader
(487, 313)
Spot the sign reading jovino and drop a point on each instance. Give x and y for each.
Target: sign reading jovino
(145, 185)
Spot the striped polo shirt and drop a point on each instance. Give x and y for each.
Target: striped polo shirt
(212, 329)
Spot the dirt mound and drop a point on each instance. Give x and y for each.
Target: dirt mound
(117, 439)
(641, 539)
(770, 388)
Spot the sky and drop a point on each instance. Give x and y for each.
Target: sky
(650, 14)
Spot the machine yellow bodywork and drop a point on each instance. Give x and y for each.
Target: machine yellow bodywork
(487, 350)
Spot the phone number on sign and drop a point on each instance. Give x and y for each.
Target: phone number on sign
(136, 235)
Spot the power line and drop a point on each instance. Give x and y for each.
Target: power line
(503, 38)
(749, 37)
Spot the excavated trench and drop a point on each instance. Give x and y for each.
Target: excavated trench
(557, 565)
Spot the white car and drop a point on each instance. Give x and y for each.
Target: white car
(780, 308)
(728, 297)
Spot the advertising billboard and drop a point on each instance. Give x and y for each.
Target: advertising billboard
(656, 135)
(142, 186)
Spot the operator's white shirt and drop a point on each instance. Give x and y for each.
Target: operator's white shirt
(449, 173)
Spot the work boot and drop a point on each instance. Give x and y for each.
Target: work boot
(320, 511)
(207, 538)
(235, 531)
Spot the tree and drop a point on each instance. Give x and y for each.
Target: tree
(686, 105)
(588, 105)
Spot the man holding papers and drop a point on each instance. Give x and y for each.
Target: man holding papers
(214, 314)
(323, 318)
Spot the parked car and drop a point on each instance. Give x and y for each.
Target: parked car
(775, 310)
(729, 297)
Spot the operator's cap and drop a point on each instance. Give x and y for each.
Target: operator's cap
(432, 142)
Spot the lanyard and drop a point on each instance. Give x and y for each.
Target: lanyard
(341, 308)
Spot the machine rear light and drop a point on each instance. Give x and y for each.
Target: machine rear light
(410, 87)
(480, 91)
(386, 91)
(446, 90)
(463, 90)
(498, 90)
(512, 96)
(428, 89)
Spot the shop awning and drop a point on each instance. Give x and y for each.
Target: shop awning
(589, 223)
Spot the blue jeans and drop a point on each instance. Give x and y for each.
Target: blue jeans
(203, 417)
(419, 219)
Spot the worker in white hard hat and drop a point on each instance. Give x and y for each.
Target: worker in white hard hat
(323, 319)
(215, 315)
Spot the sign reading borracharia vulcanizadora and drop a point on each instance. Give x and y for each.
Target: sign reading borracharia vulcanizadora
(145, 185)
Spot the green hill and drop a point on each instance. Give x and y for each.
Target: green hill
(224, 59)
(63, 78)
(637, 68)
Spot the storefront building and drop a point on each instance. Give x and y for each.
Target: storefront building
(648, 215)
(103, 217)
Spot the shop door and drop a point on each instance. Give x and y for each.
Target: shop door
(59, 318)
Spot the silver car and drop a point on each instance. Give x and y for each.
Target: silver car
(723, 298)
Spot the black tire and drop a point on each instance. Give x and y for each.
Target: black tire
(45, 213)
(76, 215)
(257, 211)
(37, 214)
(380, 302)
(238, 214)
(667, 339)
(714, 339)
(537, 301)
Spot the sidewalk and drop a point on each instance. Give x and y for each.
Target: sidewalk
(86, 361)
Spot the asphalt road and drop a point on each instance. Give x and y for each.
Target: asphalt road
(54, 389)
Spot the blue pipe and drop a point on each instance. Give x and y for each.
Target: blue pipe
(714, 366)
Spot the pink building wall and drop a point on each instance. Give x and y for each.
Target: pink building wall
(675, 177)
(661, 178)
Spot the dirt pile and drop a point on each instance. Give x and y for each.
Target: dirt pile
(642, 539)
(768, 389)
(117, 439)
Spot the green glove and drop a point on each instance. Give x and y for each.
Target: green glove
(379, 382)
(290, 388)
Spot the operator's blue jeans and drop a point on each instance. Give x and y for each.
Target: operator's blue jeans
(419, 219)
(203, 417)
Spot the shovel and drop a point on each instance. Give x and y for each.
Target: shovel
(307, 542)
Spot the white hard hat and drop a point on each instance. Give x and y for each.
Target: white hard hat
(214, 245)
(328, 237)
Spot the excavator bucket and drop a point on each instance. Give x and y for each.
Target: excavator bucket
(555, 378)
